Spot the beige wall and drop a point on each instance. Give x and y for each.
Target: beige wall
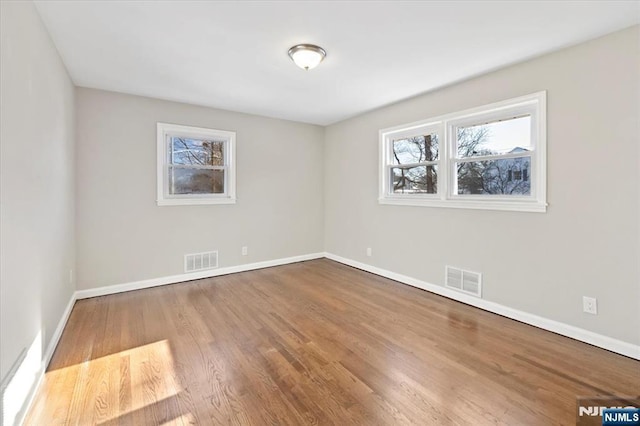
(542, 263)
(123, 236)
(37, 184)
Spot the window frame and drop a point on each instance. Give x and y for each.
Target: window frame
(423, 129)
(533, 105)
(164, 133)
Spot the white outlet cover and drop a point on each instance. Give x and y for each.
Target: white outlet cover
(590, 305)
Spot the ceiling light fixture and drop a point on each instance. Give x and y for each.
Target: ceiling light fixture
(307, 56)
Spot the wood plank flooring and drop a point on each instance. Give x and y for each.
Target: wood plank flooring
(315, 342)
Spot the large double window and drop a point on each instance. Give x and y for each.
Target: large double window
(195, 165)
(491, 157)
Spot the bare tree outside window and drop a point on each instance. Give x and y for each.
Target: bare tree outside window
(415, 169)
(192, 169)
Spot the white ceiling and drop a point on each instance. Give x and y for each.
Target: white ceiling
(233, 54)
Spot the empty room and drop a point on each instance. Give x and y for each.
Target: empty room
(320, 212)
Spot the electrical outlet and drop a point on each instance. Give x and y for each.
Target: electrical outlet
(590, 305)
(369, 251)
(245, 251)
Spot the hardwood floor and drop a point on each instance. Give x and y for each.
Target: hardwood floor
(313, 343)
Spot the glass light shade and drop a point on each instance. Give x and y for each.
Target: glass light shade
(307, 56)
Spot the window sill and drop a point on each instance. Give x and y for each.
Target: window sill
(516, 206)
(194, 201)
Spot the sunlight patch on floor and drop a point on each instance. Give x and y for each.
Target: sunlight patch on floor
(129, 381)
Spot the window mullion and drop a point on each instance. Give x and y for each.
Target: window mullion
(444, 156)
(169, 186)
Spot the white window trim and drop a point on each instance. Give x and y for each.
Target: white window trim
(425, 128)
(162, 147)
(534, 104)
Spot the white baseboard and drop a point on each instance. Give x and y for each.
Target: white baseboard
(172, 279)
(51, 347)
(57, 334)
(605, 342)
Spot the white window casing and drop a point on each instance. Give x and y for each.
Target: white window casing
(445, 127)
(165, 196)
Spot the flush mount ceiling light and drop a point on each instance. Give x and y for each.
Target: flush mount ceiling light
(307, 56)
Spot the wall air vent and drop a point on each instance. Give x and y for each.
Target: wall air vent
(200, 261)
(465, 281)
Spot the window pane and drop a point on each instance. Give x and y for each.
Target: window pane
(495, 177)
(416, 149)
(414, 180)
(196, 181)
(202, 152)
(500, 137)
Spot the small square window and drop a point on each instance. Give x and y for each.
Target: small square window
(195, 165)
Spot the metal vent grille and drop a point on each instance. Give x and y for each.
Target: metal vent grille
(465, 281)
(200, 261)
